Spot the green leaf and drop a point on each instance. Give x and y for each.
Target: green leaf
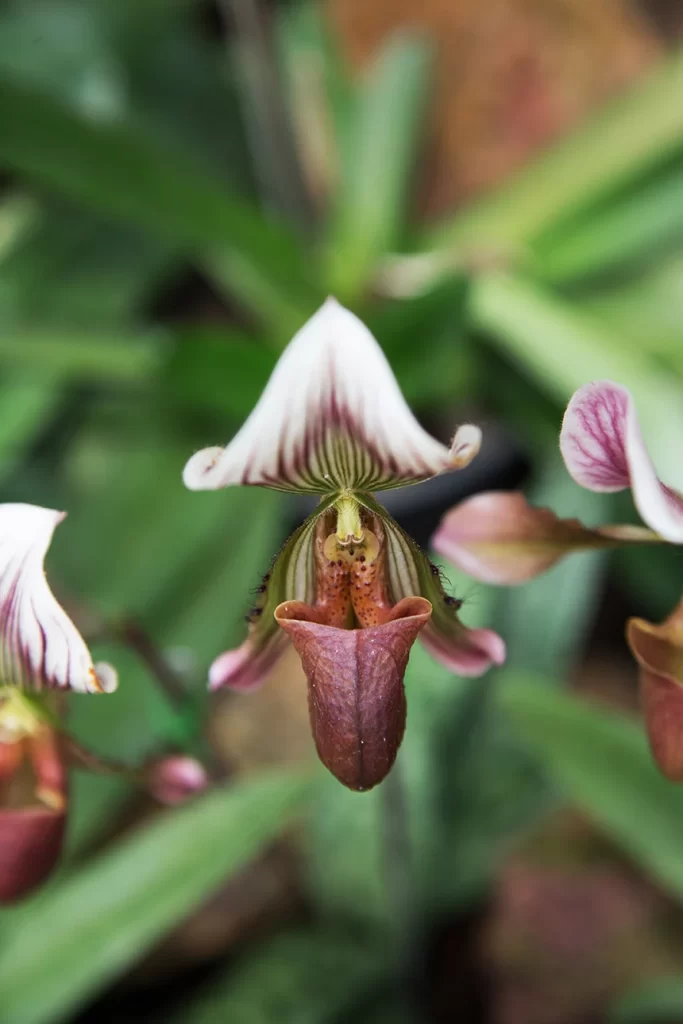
(28, 400)
(73, 354)
(610, 238)
(562, 349)
(72, 938)
(658, 1001)
(602, 762)
(112, 168)
(625, 140)
(371, 201)
(220, 370)
(311, 976)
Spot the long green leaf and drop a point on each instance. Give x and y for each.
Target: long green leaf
(612, 148)
(602, 761)
(371, 199)
(625, 232)
(112, 168)
(72, 938)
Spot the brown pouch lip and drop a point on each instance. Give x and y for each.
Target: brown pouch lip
(356, 698)
(31, 840)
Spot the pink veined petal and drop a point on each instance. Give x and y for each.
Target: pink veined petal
(469, 653)
(39, 645)
(331, 417)
(603, 449)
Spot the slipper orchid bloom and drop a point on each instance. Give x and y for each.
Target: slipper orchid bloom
(41, 651)
(349, 588)
(500, 538)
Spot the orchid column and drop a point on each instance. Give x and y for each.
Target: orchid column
(349, 588)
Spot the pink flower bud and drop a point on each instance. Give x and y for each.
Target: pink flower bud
(175, 779)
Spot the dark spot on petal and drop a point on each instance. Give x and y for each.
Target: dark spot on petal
(361, 558)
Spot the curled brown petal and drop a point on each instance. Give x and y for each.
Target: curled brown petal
(31, 841)
(356, 699)
(658, 649)
(498, 537)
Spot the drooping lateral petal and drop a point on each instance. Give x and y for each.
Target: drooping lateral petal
(603, 448)
(499, 538)
(290, 577)
(466, 652)
(356, 699)
(331, 417)
(659, 652)
(39, 645)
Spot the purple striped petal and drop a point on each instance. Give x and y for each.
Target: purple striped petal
(603, 449)
(332, 417)
(40, 648)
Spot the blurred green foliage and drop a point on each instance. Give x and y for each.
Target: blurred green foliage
(152, 266)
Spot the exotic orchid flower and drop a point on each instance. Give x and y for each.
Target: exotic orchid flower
(40, 650)
(349, 588)
(500, 538)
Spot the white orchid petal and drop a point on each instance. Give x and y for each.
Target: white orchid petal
(331, 417)
(39, 645)
(603, 449)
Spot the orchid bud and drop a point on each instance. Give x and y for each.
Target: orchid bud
(175, 779)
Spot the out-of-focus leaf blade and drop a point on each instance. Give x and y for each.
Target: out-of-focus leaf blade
(72, 937)
(622, 233)
(28, 400)
(659, 1001)
(602, 762)
(562, 349)
(74, 354)
(627, 139)
(370, 205)
(113, 169)
(302, 977)
(219, 370)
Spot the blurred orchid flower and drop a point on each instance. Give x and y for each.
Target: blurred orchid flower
(33, 797)
(349, 588)
(500, 538)
(40, 651)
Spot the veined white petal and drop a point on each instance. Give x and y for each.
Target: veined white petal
(331, 417)
(39, 645)
(603, 449)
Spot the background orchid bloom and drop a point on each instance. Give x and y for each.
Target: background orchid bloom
(501, 538)
(332, 421)
(41, 651)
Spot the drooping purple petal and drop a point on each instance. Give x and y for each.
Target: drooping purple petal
(248, 666)
(39, 645)
(603, 448)
(467, 652)
(332, 417)
(499, 538)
